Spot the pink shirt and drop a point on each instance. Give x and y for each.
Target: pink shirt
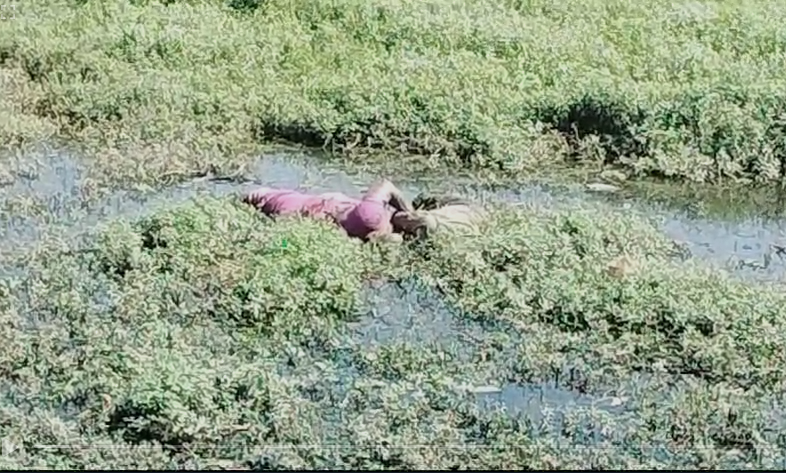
(329, 204)
(358, 218)
(285, 201)
(371, 214)
(277, 201)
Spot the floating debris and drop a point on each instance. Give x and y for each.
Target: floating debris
(740, 264)
(484, 389)
(617, 401)
(682, 250)
(488, 389)
(779, 250)
(601, 187)
(613, 175)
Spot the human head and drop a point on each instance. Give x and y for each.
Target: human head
(413, 223)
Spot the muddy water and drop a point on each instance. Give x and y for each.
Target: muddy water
(394, 313)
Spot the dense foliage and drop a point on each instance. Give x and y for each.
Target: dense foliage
(689, 89)
(204, 335)
(209, 336)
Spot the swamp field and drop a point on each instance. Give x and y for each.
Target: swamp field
(150, 320)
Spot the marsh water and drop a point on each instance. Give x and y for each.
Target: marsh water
(405, 313)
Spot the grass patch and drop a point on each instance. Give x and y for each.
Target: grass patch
(552, 269)
(206, 335)
(689, 90)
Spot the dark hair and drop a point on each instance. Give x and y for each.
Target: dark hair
(427, 202)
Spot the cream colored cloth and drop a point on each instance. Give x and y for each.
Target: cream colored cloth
(455, 218)
(450, 218)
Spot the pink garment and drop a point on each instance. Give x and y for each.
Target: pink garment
(277, 201)
(370, 215)
(358, 218)
(329, 204)
(273, 202)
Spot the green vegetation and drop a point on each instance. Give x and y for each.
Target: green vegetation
(553, 269)
(193, 338)
(686, 89)
(204, 335)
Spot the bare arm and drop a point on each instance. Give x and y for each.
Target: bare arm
(385, 191)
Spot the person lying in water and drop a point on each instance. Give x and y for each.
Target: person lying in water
(367, 218)
(437, 214)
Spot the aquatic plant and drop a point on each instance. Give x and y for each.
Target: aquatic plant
(205, 335)
(208, 336)
(689, 90)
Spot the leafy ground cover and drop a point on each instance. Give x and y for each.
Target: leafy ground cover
(688, 89)
(208, 336)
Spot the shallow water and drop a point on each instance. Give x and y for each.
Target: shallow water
(745, 248)
(742, 246)
(395, 313)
